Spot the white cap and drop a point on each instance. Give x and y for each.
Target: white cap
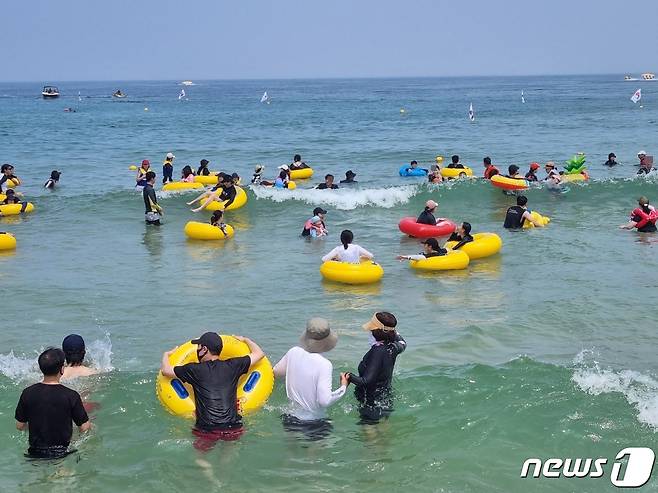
(284, 166)
(642, 153)
(170, 155)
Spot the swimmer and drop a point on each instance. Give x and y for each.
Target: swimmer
(434, 176)
(454, 162)
(216, 220)
(227, 194)
(52, 181)
(74, 351)
(373, 387)
(12, 198)
(144, 168)
(531, 174)
(168, 168)
(153, 210)
(313, 226)
(518, 214)
(187, 175)
(414, 165)
(349, 177)
(328, 183)
(7, 171)
(282, 180)
(214, 191)
(427, 216)
(513, 172)
(646, 163)
(489, 169)
(611, 160)
(643, 217)
(461, 235)
(431, 248)
(297, 163)
(257, 177)
(552, 175)
(348, 251)
(203, 168)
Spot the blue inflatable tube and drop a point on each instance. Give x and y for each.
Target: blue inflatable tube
(407, 171)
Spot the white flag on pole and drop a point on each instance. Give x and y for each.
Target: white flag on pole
(182, 94)
(636, 96)
(471, 113)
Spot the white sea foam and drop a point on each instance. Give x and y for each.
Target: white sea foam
(640, 390)
(343, 199)
(25, 368)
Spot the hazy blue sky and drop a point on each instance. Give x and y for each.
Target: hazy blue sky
(207, 39)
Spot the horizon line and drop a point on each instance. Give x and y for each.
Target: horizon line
(370, 77)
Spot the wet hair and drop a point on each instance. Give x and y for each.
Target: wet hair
(611, 155)
(283, 174)
(216, 217)
(487, 160)
(467, 227)
(455, 159)
(54, 175)
(296, 158)
(513, 169)
(187, 171)
(51, 361)
(389, 320)
(150, 175)
(5, 167)
(10, 191)
(413, 162)
(74, 358)
(521, 200)
(346, 237)
(326, 177)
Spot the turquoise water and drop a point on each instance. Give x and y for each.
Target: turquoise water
(546, 350)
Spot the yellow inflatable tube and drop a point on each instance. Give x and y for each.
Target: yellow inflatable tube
(240, 201)
(254, 387)
(454, 260)
(173, 186)
(301, 174)
(456, 172)
(483, 245)
(7, 241)
(15, 209)
(204, 231)
(367, 272)
(132, 167)
(211, 179)
(537, 216)
(574, 177)
(12, 182)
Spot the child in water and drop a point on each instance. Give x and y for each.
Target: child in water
(216, 220)
(52, 181)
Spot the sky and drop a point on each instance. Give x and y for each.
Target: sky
(270, 39)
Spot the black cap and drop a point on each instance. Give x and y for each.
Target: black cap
(350, 173)
(204, 162)
(433, 242)
(73, 344)
(319, 210)
(211, 340)
(612, 154)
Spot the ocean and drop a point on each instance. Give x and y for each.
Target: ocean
(545, 350)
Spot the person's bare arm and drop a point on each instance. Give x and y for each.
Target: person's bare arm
(528, 217)
(85, 427)
(165, 367)
(255, 352)
(21, 426)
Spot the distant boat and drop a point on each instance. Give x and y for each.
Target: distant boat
(119, 94)
(648, 76)
(187, 83)
(628, 77)
(49, 92)
(265, 98)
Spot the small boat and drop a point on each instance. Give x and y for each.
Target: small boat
(648, 76)
(119, 94)
(187, 83)
(50, 92)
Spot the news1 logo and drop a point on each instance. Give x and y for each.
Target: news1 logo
(639, 465)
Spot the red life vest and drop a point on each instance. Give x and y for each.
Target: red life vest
(645, 218)
(491, 171)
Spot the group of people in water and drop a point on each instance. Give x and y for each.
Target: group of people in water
(48, 409)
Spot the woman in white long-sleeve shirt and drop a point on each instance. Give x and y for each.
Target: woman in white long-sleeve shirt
(308, 377)
(348, 252)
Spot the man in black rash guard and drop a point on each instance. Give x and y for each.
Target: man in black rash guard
(427, 216)
(461, 235)
(518, 214)
(373, 383)
(48, 409)
(153, 210)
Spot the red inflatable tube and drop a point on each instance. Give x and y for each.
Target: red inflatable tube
(409, 226)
